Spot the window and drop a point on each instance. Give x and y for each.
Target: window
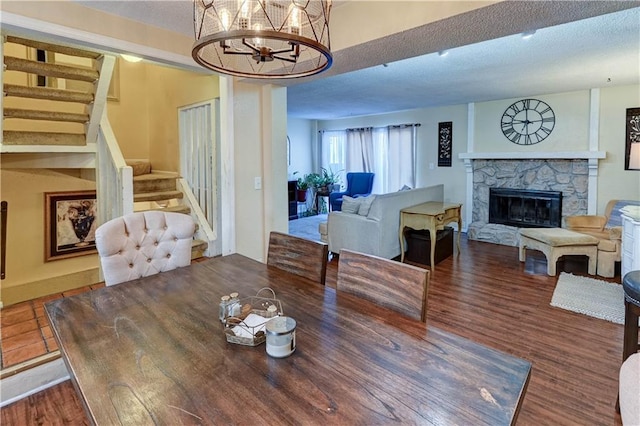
(333, 152)
(389, 152)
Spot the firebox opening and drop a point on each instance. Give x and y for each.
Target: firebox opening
(525, 208)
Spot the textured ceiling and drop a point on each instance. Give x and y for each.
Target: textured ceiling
(589, 53)
(578, 45)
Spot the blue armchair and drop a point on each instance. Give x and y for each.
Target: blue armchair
(358, 185)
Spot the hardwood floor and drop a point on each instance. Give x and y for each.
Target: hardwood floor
(485, 295)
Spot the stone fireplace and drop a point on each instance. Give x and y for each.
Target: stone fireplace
(568, 177)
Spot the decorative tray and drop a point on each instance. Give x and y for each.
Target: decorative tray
(245, 321)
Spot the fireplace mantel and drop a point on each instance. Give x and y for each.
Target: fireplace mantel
(569, 155)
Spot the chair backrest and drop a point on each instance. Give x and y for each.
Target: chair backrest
(299, 256)
(359, 183)
(394, 285)
(144, 243)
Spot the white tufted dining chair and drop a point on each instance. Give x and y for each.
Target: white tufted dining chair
(144, 243)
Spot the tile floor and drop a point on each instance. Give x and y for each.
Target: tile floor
(25, 333)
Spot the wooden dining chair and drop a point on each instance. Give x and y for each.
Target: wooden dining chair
(145, 243)
(394, 285)
(299, 256)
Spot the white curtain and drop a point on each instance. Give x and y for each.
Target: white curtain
(360, 152)
(389, 152)
(401, 157)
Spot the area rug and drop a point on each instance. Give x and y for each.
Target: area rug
(588, 296)
(307, 227)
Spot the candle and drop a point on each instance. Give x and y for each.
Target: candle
(281, 337)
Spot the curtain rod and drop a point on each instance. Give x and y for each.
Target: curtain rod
(391, 126)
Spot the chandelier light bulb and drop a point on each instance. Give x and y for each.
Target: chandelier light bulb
(258, 41)
(294, 20)
(225, 20)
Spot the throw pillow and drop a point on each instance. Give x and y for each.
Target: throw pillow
(365, 205)
(350, 205)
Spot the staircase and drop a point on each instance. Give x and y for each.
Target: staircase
(54, 102)
(158, 191)
(54, 98)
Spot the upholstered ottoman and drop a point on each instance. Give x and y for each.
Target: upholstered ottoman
(324, 233)
(557, 242)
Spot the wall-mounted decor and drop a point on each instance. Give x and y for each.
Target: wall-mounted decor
(632, 150)
(445, 143)
(527, 121)
(70, 224)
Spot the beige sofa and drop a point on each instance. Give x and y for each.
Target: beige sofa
(377, 232)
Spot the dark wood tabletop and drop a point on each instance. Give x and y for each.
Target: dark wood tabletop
(152, 351)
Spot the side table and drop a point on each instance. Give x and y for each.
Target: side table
(432, 216)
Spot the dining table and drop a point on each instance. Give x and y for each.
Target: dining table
(153, 351)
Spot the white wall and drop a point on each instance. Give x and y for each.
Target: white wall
(302, 134)
(614, 181)
(571, 131)
(260, 152)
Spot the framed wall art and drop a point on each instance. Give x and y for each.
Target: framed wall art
(70, 224)
(632, 136)
(445, 143)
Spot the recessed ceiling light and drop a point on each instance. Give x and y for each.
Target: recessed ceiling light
(130, 58)
(528, 34)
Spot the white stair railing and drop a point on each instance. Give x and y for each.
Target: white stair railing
(114, 178)
(198, 166)
(204, 232)
(99, 104)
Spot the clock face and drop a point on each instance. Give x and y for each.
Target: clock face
(527, 121)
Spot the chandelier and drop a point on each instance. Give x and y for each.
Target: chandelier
(262, 38)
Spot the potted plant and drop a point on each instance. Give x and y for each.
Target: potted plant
(301, 190)
(314, 180)
(330, 180)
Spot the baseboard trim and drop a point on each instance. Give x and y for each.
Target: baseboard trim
(51, 285)
(31, 381)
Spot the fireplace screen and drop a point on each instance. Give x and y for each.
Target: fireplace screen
(525, 208)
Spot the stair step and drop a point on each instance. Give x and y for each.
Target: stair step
(13, 137)
(140, 167)
(48, 93)
(30, 114)
(181, 208)
(198, 247)
(157, 196)
(51, 70)
(154, 182)
(54, 48)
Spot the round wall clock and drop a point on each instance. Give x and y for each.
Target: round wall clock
(527, 121)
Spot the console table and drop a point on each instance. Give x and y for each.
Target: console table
(432, 216)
